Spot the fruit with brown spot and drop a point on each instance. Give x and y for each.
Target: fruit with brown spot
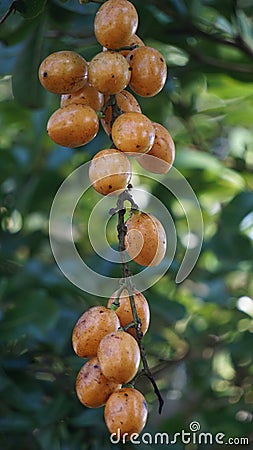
(73, 125)
(124, 311)
(91, 328)
(92, 388)
(63, 72)
(145, 239)
(126, 412)
(119, 356)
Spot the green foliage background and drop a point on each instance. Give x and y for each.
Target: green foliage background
(200, 340)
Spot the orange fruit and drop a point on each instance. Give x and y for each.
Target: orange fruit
(92, 388)
(119, 356)
(126, 102)
(133, 132)
(73, 125)
(91, 328)
(126, 412)
(87, 95)
(63, 72)
(134, 40)
(145, 239)
(109, 171)
(115, 22)
(149, 71)
(109, 72)
(160, 157)
(124, 311)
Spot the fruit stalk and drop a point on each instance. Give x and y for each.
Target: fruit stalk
(127, 281)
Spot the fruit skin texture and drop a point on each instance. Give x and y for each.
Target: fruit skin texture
(133, 132)
(149, 71)
(119, 356)
(92, 388)
(109, 171)
(73, 125)
(63, 72)
(124, 311)
(126, 102)
(145, 239)
(162, 152)
(126, 412)
(109, 72)
(134, 40)
(91, 328)
(87, 95)
(115, 22)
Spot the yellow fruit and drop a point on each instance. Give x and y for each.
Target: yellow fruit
(145, 239)
(92, 388)
(126, 413)
(91, 328)
(119, 356)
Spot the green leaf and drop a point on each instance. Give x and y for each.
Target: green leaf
(25, 83)
(76, 7)
(31, 8)
(33, 315)
(245, 27)
(15, 422)
(4, 6)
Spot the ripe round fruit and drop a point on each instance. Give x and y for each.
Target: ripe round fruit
(126, 412)
(87, 95)
(126, 102)
(92, 388)
(109, 171)
(134, 40)
(149, 71)
(115, 22)
(160, 157)
(124, 311)
(133, 132)
(90, 329)
(145, 239)
(73, 125)
(119, 356)
(63, 72)
(109, 72)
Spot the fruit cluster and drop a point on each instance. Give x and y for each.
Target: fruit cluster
(96, 91)
(92, 93)
(106, 335)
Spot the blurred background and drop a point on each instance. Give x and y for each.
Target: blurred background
(199, 345)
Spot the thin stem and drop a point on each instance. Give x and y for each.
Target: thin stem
(11, 9)
(128, 283)
(125, 195)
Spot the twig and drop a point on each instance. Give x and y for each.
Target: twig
(11, 9)
(192, 29)
(128, 283)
